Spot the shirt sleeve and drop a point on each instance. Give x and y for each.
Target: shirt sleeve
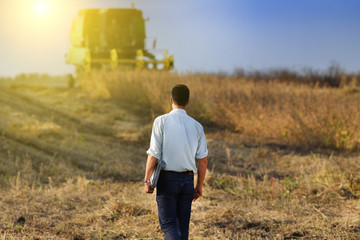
(201, 151)
(156, 139)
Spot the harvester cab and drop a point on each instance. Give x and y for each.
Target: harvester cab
(112, 39)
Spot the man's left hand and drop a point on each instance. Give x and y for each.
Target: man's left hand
(197, 192)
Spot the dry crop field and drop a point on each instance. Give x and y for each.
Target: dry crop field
(283, 157)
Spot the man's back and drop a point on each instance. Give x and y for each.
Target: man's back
(180, 138)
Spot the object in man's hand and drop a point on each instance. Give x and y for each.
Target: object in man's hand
(155, 176)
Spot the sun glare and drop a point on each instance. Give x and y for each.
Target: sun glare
(41, 7)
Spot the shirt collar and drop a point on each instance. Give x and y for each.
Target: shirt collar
(178, 110)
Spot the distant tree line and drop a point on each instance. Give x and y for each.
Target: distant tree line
(333, 76)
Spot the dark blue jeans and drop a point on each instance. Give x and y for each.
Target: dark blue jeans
(174, 195)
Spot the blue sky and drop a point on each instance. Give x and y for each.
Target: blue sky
(203, 35)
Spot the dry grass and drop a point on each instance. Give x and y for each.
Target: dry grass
(71, 165)
(260, 112)
(231, 208)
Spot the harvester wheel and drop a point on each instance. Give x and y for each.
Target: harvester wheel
(87, 61)
(70, 81)
(140, 63)
(114, 59)
(169, 63)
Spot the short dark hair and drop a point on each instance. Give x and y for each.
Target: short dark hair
(180, 94)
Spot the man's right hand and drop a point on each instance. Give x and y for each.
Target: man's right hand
(147, 188)
(150, 166)
(197, 192)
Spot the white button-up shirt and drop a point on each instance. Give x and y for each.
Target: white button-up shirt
(178, 139)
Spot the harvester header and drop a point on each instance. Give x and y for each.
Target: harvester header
(112, 38)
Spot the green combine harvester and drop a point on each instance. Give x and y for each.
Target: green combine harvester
(112, 39)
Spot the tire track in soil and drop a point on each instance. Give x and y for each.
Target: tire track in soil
(33, 107)
(51, 151)
(82, 161)
(45, 152)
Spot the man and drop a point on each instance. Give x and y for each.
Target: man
(177, 139)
